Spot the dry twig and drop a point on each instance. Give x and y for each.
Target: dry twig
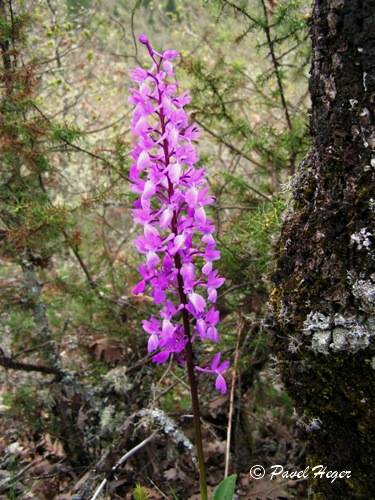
(118, 464)
(231, 397)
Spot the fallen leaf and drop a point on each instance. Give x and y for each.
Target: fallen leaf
(54, 447)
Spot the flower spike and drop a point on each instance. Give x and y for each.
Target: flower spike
(173, 196)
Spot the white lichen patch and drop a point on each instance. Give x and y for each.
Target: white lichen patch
(118, 380)
(349, 335)
(319, 326)
(320, 341)
(307, 423)
(107, 418)
(314, 425)
(362, 239)
(364, 291)
(316, 321)
(294, 344)
(337, 333)
(168, 426)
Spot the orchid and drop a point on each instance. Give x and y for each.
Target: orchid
(217, 368)
(177, 240)
(173, 195)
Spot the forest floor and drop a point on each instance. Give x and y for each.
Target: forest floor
(35, 465)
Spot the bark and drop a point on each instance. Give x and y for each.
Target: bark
(323, 302)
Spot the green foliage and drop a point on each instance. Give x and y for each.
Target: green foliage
(16, 27)
(140, 493)
(21, 324)
(260, 227)
(174, 400)
(269, 399)
(75, 6)
(65, 133)
(290, 17)
(12, 493)
(247, 248)
(24, 406)
(226, 489)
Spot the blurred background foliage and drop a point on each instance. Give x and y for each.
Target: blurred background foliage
(67, 259)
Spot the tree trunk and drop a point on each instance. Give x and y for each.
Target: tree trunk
(323, 303)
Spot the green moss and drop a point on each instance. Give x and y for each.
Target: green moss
(140, 493)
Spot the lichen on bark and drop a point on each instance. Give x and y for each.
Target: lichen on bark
(325, 257)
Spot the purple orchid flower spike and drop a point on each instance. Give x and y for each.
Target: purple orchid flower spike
(177, 239)
(172, 198)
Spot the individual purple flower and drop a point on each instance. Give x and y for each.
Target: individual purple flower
(218, 369)
(172, 198)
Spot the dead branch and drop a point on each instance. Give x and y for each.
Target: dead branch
(120, 462)
(9, 363)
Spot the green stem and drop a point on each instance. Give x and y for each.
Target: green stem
(197, 420)
(193, 385)
(186, 323)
